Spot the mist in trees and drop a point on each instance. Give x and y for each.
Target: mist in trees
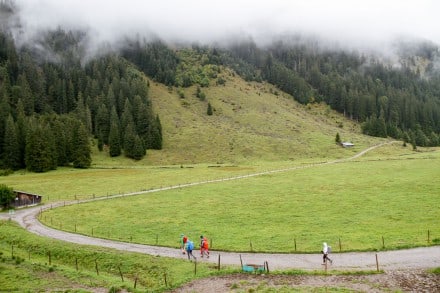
(52, 106)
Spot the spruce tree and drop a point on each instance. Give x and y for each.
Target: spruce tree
(81, 155)
(102, 123)
(139, 149)
(209, 110)
(40, 148)
(114, 138)
(11, 148)
(129, 141)
(114, 141)
(338, 138)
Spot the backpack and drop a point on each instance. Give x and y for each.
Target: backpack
(329, 249)
(205, 244)
(190, 245)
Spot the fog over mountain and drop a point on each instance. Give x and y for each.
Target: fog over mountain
(358, 24)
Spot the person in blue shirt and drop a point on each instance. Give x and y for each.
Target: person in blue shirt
(189, 246)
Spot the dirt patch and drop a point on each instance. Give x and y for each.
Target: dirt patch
(402, 280)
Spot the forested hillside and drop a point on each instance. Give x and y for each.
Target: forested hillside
(52, 106)
(396, 98)
(54, 98)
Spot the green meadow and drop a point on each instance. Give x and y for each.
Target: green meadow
(29, 263)
(388, 199)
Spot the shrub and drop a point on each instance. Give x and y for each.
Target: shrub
(6, 195)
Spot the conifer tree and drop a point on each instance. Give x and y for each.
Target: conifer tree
(338, 138)
(139, 150)
(129, 140)
(21, 131)
(11, 149)
(114, 138)
(155, 134)
(81, 154)
(209, 110)
(40, 148)
(102, 123)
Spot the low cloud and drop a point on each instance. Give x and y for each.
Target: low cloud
(360, 24)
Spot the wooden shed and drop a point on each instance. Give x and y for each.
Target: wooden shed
(23, 198)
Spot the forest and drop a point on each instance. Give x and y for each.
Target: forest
(55, 103)
(51, 107)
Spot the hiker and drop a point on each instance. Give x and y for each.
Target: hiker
(189, 246)
(182, 242)
(325, 252)
(204, 246)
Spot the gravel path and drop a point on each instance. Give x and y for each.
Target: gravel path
(418, 258)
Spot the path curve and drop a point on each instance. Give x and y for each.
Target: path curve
(417, 258)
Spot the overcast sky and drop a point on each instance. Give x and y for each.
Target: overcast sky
(359, 23)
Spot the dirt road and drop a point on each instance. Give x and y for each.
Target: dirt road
(417, 258)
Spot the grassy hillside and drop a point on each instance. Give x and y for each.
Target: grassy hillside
(251, 121)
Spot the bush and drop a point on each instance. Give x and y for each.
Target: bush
(6, 172)
(7, 195)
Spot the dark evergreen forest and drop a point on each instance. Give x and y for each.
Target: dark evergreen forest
(52, 106)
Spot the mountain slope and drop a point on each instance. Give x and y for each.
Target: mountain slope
(251, 121)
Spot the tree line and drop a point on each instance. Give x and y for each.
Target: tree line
(390, 99)
(52, 105)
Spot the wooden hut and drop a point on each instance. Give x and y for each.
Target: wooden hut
(23, 198)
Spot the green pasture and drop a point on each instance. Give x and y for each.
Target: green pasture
(126, 176)
(371, 203)
(25, 266)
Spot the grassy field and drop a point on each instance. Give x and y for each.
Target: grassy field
(252, 130)
(25, 266)
(356, 202)
(391, 192)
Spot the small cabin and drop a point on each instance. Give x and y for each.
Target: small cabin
(23, 198)
(347, 144)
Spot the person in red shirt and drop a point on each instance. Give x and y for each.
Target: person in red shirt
(204, 246)
(183, 239)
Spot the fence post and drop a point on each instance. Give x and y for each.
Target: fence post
(241, 262)
(50, 258)
(218, 266)
(250, 243)
(96, 267)
(428, 236)
(377, 263)
(294, 241)
(195, 267)
(383, 242)
(340, 245)
(120, 273)
(76, 263)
